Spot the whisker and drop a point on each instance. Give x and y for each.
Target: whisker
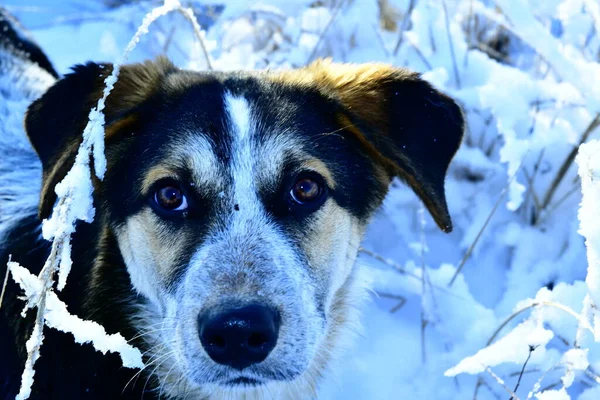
(166, 357)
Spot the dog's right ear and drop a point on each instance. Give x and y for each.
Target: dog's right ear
(54, 123)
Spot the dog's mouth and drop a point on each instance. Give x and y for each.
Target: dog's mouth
(242, 382)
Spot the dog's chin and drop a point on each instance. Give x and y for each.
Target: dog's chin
(244, 379)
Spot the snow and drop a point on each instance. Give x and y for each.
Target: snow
(588, 161)
(553, 395)
(511, 348)
(533, 275)
(57, 317)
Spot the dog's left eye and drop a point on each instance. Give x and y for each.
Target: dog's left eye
(308, 190)
(170, 198)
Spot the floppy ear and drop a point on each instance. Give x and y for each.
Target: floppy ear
(404, 124)
(55, 122)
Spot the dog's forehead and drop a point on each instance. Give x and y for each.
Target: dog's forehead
(225, 129)
(214, 130)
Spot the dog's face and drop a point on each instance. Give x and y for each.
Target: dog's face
(238, 202)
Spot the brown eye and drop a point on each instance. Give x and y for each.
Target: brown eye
(306, 190)
(170, 198)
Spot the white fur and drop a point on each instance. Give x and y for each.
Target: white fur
(198, 155)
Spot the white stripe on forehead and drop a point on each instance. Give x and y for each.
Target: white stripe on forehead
(256, 163)
(242, 167)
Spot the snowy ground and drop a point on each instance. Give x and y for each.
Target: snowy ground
(526, 73)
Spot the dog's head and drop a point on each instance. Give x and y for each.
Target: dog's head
(238, 200)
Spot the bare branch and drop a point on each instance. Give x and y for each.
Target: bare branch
(451, 43)
(485, 224)
(5, 282)
(562, 171)
(501, 383)
(401, 300)
(531, 350)
(404, 26)
(188, 13)
(336, 11)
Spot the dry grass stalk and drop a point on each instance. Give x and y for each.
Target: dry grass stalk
(5, 282)
(188, 13)
(404, 26)
(335, 14)
(485, 224)
(562, 171)
(401, 300)
(513, 396)
(403, 271)
(451, 43)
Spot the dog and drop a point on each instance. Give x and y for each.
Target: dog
(227, 224)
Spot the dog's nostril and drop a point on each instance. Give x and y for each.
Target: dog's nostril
(257, 340)
(239, 337)
(217, 341)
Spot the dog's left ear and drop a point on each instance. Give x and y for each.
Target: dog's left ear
(54, 123)
(407, 127)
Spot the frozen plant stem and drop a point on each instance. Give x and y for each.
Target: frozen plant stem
(485, 224)
(188, 13)
(562, 171)
(4, 283)
(400, 269)
(404, 26)
(583, 323)
(451, 44)
(513, 396)
(324, 32)
(531, 350)
(469, 32)
(401, 300)
(424, 320)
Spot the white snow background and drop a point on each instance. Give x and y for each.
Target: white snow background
(527, 74)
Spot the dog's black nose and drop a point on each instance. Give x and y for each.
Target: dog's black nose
(240, 337)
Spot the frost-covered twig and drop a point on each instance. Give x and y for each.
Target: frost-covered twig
(4, 283)
(188, 13)
(583, 323)
(531, 350)
(566, 164)
(404, 26)
(57, 316)
(574, 359)
(513, 396)
(401, 300)
(424, 318)
(485, 224)
(389, 262)
(399, 268)
(336, 11)
(574, 69)
(451, 44)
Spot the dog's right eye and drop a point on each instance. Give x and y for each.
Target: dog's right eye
(170, 198)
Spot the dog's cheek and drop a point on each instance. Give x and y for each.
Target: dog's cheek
(142, 242)
(331, 248)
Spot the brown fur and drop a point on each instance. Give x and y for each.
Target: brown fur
(364, 91)
(361, 88)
